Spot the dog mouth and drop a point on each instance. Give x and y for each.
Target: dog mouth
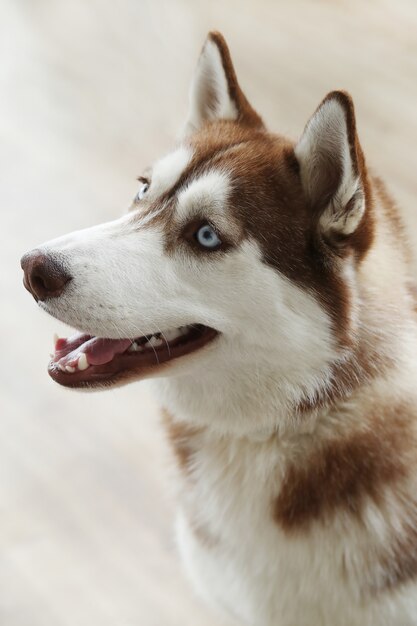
(84, 360)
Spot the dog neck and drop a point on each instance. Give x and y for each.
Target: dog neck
(254, 403)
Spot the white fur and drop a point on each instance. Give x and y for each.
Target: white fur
(167, 171)
(208, 192)
(207, 197)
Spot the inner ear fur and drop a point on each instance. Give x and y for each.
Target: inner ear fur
(332, 168)
(215, 92)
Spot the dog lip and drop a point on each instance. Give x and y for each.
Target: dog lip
(133, 364)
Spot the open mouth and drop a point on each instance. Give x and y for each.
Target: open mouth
(84, 361)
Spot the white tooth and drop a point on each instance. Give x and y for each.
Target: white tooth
(159, 342)
(61, 367)
(70, 369)
(133, 347)
(153, 341)
(82, 361)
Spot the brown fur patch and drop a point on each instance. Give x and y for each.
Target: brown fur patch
(343, 474)
(180, 436)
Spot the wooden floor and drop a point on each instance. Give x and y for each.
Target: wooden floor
(90, 93)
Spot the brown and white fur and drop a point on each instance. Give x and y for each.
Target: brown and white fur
(295, 428)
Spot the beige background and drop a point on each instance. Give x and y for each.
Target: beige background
(91, 91)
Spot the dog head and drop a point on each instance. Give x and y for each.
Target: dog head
(239, 251)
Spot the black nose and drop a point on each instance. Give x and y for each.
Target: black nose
(44, 275)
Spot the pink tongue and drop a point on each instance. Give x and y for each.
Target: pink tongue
(65, 345)
(98, 350)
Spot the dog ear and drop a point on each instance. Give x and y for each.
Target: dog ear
(332, 166)
(215, 93)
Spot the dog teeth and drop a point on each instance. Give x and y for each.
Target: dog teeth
(154, 341)
(159, 339)
(136, 347)
(82, 362)
(69, 369)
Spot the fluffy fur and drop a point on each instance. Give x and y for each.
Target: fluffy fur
(294, 430)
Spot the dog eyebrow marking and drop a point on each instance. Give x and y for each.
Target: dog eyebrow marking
(210, 190)
(168, 170)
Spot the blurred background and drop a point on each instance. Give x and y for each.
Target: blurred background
(91, 91)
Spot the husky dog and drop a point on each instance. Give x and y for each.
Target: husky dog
(265, 287)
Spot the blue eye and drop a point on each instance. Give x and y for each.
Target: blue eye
(207, 237)
(142, 191)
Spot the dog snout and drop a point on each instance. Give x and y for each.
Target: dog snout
(44, 275)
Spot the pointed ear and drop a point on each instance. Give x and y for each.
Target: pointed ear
(332, 166)
(215, 92)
